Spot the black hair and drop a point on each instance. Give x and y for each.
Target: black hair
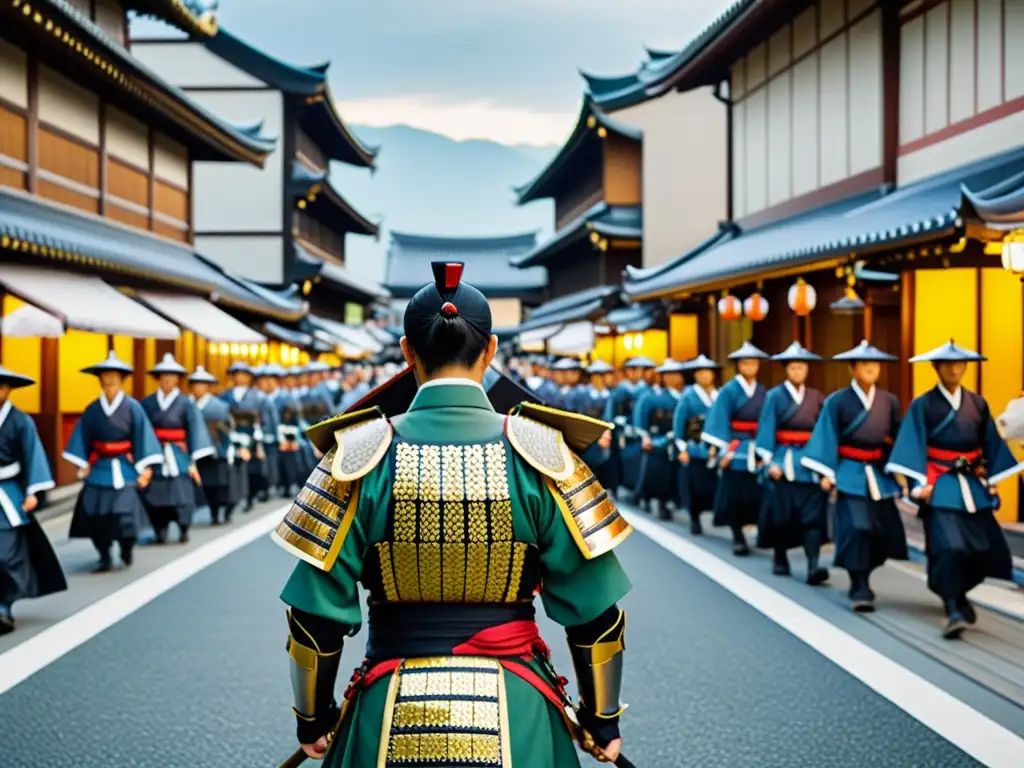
(447, 322)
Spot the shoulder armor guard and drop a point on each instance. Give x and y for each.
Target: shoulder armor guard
(357, 441)
(588, 511)
(579, 432)
(319, 519)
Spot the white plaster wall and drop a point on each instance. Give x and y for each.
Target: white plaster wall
(170, 161)
(189, 64)
(684, 170)
(253, 257)
(13, 75)
(127, 138)
(64, 105)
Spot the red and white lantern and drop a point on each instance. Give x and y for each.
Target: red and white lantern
(729, 308)
(756, 307)
(802, 298)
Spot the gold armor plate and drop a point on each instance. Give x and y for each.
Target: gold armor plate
(578, 430)
(542, 446)
(320, 517)
(453, 539)
(446, 710)
(595, 522)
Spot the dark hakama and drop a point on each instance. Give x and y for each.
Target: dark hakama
(948, 449)
(292, 461)
(627, 447)
(730, 427)
(262, 484)
(184, 439)
(247, 435)
(28, 565)
(795, 512)
(215, 490)
(116, 441)
(696, 481)
(848, 446)
(652, 417)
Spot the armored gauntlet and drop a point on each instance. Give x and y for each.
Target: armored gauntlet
(314, 648)
(598, 668)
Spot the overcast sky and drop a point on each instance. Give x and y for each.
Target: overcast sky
(505, 70)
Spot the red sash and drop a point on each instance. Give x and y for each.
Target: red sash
(936, 455)
(750, 427)
(175, 436)
(110, 450)
(860, 454)
(792, 438)
(514, 638)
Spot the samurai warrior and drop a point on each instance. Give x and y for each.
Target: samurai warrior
(452, 515)
(221, 473)
(652, 420)
(698, 478)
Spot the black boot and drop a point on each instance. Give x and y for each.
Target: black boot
(695, 526)
(160, 534)
(214, 515)
(127, 546)
(956, 621)
(967, 609)
(6, 620)
(780, 563)
(664, 510)
(815, 573)
(103, 548)
(862, 599)
(739, 543)
(183, 537)
(228, 511)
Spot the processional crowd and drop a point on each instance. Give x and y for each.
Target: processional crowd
(162, 459)
(779, 459)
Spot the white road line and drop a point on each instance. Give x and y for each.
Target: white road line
(23, 661)
(983, 739)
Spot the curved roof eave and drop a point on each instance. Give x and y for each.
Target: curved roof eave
(311, 184)
(195, 17)
(589, 119)
(302, 81)
(360, 155)
(464, 241)
(363, 224)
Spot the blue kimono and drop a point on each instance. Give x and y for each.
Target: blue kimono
(270, 421)
(627, 447)
(28, 565)
(697, 481)
(116, 442)
(590, 401)
(652, 419)
(245, 409)
(796, 510)
(221, 472)
(951, 443)
(730, 428)
(848, 446)
(296, 456)
(184, 438)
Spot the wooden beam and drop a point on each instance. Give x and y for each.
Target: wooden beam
(32, 127)
(104, 174)
(907, 284)
(151, 176)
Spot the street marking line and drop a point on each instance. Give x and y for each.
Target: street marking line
(980, 737)
(24, 660)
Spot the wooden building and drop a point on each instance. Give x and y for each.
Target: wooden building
(508, 289)
(96, 212)
(285, 223)
(872, 147)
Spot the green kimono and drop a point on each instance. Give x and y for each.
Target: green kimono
(455, 512)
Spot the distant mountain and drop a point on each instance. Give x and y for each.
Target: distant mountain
(426, 183)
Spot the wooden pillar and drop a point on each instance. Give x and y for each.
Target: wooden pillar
(49, 421)
(906, 337)
(139, 358)
(151, 194)
(102, 210)
(32, 127)
(890, 90)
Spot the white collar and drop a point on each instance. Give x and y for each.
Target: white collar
(456, 381)
(674, 392)
(238, 392)
(704, 396)
(866, 398)
(165, 401)
(566, 388)
(4, 411)
(202, 401)
(796, 394)
(954, 399)
(749, 387)
(109, 408)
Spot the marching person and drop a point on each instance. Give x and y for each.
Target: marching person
(115, 449)
(317, 403)
(698, 478)
(847, 449)
(182, 432)
(221, 473)
(569, 370)
(540, 383)
(28, 565)
(292, 450)
(652, 420)
(452, 587)
(795, 512)
(730, 429)
(268, 481)
(591, 403)
(950, 453)
(245, 403)
(619, 410)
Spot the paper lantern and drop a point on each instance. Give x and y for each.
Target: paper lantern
(729, 308)
(802, 298)
(756, 307)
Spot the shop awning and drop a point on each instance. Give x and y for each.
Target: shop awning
(615, 222)
(633, 318)
(28, 322)
(84, 302)
(920, 212)
(351, 336)
(288, 336)
(573, 339)
(590, 304)
(200, 317)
